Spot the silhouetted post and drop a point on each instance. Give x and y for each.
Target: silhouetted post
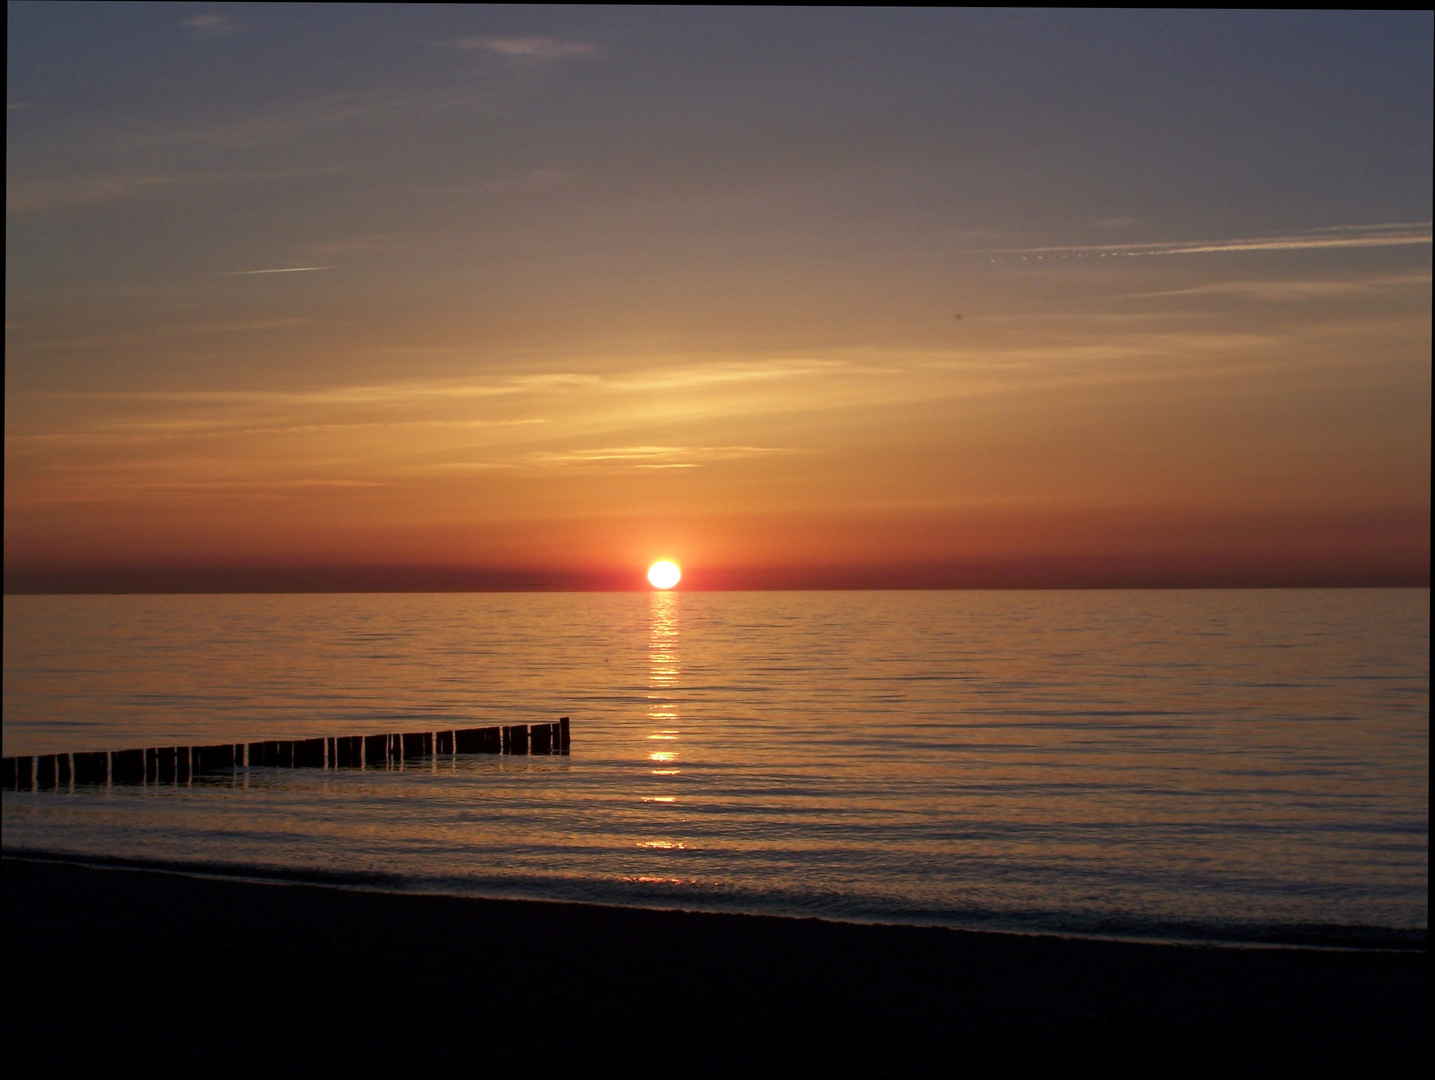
(286, 754)
(127, 767)
(151, 765)
(25, 774)
(164, 764)
(540, 738)
(517, 738)
(563, 734)
(413, 744)
(202, 759)
(181, 764)
(63, 761)
(308, 753)
(45, 772)
(375, 750)
(11, 776)
(443, 742)
(478, 741)
(92, 768)
(331, 753)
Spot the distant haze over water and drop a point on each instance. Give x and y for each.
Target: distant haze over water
(1225, 765)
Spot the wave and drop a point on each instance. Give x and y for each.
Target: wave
(675, 894)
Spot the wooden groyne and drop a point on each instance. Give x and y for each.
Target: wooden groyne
(178, 764)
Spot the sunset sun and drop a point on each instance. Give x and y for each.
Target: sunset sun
(664, 575)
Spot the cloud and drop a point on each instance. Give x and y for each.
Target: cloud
(1291, 291)
(657, 457)
(276, 270)
(35, 196)
(537, 49)
(1341, 236)
(42, 195)
(210, 25)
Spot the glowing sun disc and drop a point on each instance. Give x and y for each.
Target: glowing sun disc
(664, 575)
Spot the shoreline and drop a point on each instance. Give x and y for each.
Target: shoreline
(312, 974)
(1317, 938)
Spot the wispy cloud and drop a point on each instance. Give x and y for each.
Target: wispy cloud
(52, 193)
(274, 270)
(1350, 236)
(31, 196)
(210, 25)
(657, 457)
(1291, 291)
(538, 49)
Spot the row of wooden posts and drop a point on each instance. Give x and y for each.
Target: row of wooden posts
(171, 764)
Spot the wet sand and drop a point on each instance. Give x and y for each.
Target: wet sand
(123, 967)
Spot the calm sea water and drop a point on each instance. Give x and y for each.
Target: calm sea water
(1242, 765)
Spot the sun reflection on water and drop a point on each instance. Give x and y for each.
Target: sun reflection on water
(664, 672)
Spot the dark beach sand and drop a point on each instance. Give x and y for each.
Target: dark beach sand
(120, 967)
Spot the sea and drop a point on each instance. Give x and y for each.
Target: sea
(1246, 767)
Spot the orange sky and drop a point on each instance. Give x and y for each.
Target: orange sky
(594, 291)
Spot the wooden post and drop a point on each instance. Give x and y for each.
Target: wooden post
(209, 758)
(308, 753)
(540, 738)
(25, 773)
(476, 741)
(11, 774)
(92, 768)
(563, 734)
(517, 739)
(413, 744)
(443, 742)
(127, 767)
(164, 764)
(376, 751)
(45, 772)
(181, 764)
(346, 753)
(63, 760)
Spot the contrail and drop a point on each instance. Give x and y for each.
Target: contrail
(278, 270)
(1356, 237)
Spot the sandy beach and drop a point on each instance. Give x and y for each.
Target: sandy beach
(116, 966)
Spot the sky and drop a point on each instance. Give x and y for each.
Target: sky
(331, 297)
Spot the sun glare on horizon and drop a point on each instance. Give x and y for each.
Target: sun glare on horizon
(664, 575)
